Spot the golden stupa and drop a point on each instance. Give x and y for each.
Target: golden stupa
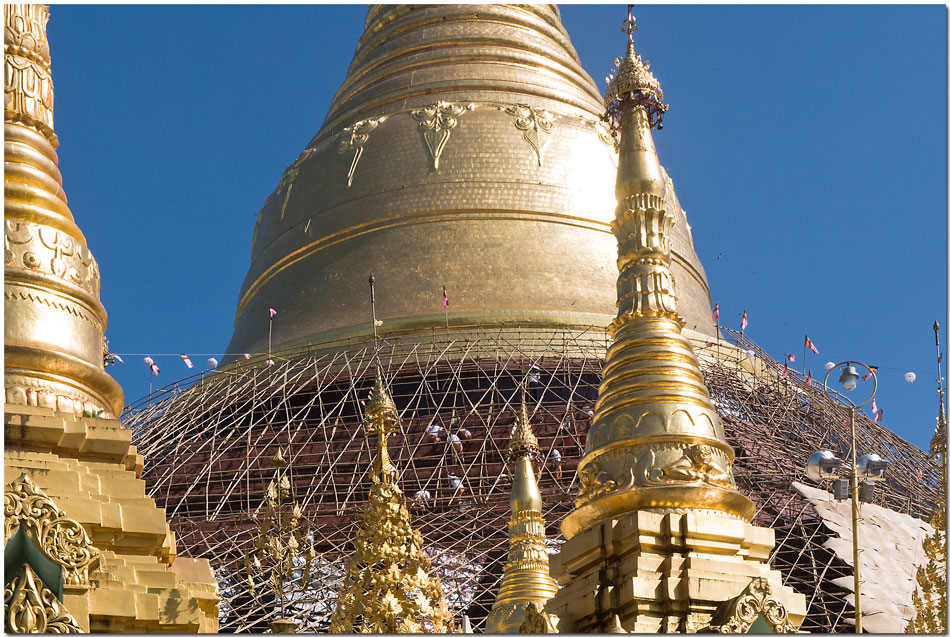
(467, 148)
(467, 135)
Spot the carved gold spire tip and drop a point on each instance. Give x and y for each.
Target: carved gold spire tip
(522, 441)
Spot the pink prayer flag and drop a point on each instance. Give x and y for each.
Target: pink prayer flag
(247, 356)
(716, 314)
(186, 361)
(154, 368)
(790, 357)
(273, 313)
(745, 321)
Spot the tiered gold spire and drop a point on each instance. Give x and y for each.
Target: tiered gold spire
(527, 575)
(655, 441)
(54, 321)
(930, 594)
(660, 538)
(387, 588)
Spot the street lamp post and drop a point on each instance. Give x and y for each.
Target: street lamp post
(824, 465)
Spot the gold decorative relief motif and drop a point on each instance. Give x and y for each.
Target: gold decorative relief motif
(30, 607)
(736, 615)
(436, 123)
(352, 138)
(699, 463)
(61, 539)
(536, 124)
(28, 86)
(42, 249)
(286, 183)
(536, 621)
(595, 482)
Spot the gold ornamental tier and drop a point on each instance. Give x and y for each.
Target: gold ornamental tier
(465, 149)
(54, 322)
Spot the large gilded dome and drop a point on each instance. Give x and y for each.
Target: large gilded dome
(464, 149)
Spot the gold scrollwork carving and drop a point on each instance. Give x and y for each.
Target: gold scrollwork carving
(436, 123)
(352, 138)
(30, 607)
(52, 252)
(62, 539)
(736, 615)
(536, 124)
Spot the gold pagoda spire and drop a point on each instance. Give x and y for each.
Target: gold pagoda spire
(54, 321)
(527, 575)
(656, 441)
(387, 587)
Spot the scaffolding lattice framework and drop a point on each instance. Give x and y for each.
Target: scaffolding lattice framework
(207, 448)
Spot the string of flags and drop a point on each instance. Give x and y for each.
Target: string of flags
(151, 364)
(909, 377)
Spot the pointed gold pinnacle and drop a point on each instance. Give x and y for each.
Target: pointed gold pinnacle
(522, 440)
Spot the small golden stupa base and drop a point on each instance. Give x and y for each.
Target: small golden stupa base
(662, 572)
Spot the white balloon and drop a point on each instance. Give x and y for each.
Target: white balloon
(910, 377)
(829, 365)
(749, 353)
(212, 362)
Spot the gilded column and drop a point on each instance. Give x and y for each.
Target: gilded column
(527, 576)
(54, 321)
(655, 441)
(387, 587)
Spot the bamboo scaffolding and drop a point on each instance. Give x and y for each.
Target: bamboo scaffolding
(207, 442)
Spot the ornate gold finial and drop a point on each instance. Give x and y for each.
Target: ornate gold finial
(656, 441)
(633, 82)
(54, 321)
(387, 587)
(526, 579)
(283, 554)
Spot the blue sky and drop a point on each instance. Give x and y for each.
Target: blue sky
(807, 144)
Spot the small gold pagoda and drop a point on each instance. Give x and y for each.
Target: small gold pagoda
(660, 538)
(527, 575)
(387, 587)
(89, 550)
